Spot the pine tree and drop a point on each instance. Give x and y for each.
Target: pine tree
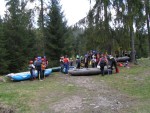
(3, 61)
(147, 10)
(18, 34)
(55, 32)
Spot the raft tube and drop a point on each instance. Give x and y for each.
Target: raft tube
(88, 71)
(123, 59)
(56, 69)
(26, 75)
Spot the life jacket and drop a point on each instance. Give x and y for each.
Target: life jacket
(43, 66)
(102, 61)
(38, 63)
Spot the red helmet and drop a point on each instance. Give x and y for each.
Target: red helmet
(31, 62)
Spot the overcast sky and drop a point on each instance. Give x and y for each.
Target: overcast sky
(74, 10)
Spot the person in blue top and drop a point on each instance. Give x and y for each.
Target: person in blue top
(38, 67)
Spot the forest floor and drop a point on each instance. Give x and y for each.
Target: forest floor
(126, 92)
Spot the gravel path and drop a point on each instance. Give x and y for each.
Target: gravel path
(95, 96)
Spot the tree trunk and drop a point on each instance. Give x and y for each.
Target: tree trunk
(147, 18)
(132, 45)
(107, 26)
(131, 31)
(42, 23)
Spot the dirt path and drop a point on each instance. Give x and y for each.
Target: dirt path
(94, 96)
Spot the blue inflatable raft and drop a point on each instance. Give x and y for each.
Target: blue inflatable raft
(26, 75)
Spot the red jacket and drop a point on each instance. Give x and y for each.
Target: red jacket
(66, 60)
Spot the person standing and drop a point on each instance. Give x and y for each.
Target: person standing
(38, 67)
(113, 62)
(43, 67)
(78, 62)
(86, 61)
(32, 69)
(102, 62)
(61, 63)
(93, 61)
(71, 62)
(66, 64)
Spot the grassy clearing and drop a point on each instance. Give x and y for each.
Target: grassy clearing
(23, 95)
(32, 96)
(134, 82)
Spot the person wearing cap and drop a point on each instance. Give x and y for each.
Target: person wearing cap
(32, 69)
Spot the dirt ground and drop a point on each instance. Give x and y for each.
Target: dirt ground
(95, 96)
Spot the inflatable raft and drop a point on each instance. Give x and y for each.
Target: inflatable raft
(56, 69)
(70, 68)
(123, 59)
(26, 75)
(88, 71)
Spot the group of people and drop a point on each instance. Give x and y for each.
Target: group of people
(97, 59)
(93, 59)
(39, 64)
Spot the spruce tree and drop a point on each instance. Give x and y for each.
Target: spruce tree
(3, 61)
(56, 30)
(18, 34)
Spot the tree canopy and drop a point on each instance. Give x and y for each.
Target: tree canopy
(109, 26)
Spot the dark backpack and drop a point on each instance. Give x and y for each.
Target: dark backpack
(102, 62)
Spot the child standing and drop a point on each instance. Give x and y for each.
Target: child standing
(43, 67)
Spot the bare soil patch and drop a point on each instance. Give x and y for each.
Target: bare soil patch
(94, 96)
(6, 109)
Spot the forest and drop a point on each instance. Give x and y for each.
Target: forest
(110, 26)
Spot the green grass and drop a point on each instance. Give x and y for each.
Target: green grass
(134, 82)
(32, 96)
(21, 95)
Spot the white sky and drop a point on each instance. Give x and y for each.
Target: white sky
(74, 10)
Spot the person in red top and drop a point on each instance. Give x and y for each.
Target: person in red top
(66, 64)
